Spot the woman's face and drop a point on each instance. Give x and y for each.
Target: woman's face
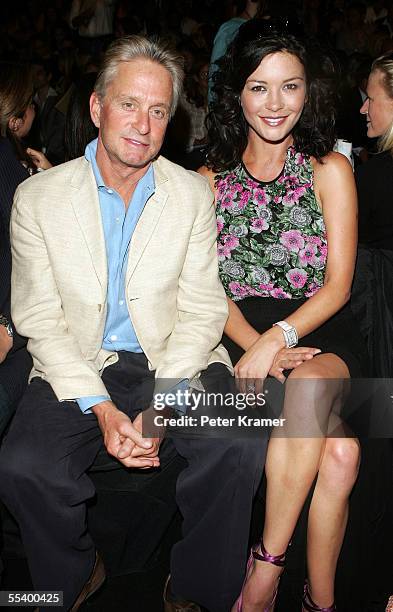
(378, 107)
(274, 95)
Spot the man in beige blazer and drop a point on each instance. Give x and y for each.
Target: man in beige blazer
(115, 284)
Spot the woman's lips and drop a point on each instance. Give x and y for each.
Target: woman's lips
(273, 121)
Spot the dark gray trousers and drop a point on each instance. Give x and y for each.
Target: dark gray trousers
(43, 481)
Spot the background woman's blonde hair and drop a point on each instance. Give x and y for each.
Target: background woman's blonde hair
(133, 47)
(384, 64)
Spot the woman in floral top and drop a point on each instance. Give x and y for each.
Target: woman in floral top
(286, 217)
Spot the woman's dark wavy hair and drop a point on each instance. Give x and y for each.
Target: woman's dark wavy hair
(314, 134)
(79, 128)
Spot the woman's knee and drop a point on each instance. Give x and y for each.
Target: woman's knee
(340, 462)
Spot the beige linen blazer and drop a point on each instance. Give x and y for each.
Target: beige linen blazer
(174, 296)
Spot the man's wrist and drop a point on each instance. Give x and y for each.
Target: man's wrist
(103, 408)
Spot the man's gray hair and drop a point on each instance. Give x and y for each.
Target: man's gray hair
(133, 47)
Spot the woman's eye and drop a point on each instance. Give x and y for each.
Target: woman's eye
(258, 88)
(291, 86)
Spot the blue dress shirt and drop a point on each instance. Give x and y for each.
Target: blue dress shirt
(119, 225)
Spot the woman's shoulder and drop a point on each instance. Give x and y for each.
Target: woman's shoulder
(331, 167)
(334, 180)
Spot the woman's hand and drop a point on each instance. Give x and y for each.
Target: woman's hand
(265, 357)
(39, 159)
(288, 359)
(253, 367)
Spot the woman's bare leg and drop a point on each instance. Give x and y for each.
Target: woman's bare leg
(329, 514)
(292, 464)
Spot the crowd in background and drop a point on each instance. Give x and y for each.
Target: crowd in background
(63, 40)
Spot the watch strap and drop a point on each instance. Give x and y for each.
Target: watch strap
(6, 323)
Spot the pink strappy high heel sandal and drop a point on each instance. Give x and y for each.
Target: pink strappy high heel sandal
(262, 556)
(310, 606)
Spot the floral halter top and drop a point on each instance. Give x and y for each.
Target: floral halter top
(271, 236)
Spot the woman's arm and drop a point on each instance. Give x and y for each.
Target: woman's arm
(335, 188)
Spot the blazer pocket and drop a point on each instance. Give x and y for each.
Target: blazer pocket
(86, 322)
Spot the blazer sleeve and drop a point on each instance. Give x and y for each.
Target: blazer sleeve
(37, 311)
(201, 301)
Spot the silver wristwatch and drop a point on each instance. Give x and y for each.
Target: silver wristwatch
(290, 333)
(5, 323)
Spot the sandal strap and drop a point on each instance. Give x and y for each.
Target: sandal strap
(311, 606)
(265, 556)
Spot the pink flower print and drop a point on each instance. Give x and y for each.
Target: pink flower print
(299, 159)
(307, 255)
(293, 195)
(314, 240)
(230, 241)
(266, 287)
(261, 198)
(277, 199)
(244, 198)
(226, 201)
(293, 240)
(280, 294)
(251, 184)
(323, 250)
(258, 225)
(223, 252)
(290, 181)
(312, 288)
(237, 289)
(252, 291)
(220, 224)
(264, 290)
(234, 189)
(297, 277)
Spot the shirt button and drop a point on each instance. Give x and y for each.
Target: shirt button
(121, 302)
(117, 219)
(113, 338)
(110, 190)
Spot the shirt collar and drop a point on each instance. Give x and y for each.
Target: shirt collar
(147, 180)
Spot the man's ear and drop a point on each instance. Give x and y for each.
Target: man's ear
(14, 124)
(95, 109)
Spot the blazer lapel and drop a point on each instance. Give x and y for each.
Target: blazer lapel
(86, 207)
(148, 220)
(144, 229)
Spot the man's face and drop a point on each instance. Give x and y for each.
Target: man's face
(133, 115)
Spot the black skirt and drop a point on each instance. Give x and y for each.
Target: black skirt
(339, 335)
